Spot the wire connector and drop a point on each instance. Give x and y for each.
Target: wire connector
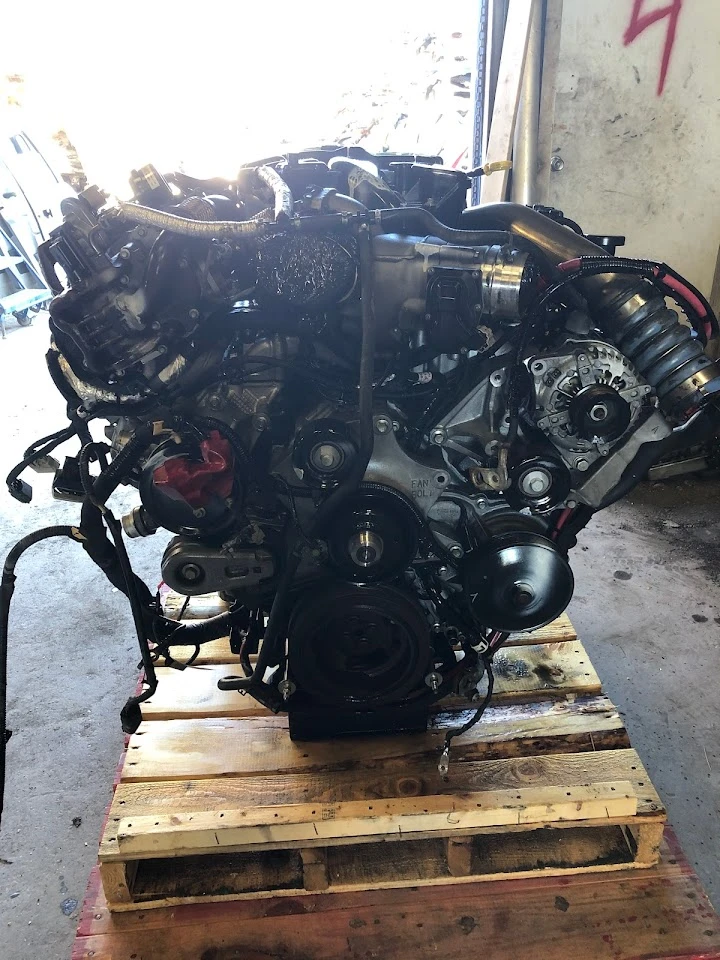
(444, 761)
(21, 490)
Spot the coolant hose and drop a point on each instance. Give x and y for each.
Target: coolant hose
(630, 311)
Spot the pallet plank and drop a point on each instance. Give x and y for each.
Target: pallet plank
(521, 672)
(143, 799)
(190, 749)
(293, 825)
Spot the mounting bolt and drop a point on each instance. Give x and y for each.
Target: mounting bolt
(260, 422)
(582, 464)
(556, 164)
(456, 551)
(190, 572)
(439, 435)
(193, 313)
(286, 689)
(434, 681)
(383, 425)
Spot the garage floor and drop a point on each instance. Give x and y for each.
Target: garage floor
(647, 607)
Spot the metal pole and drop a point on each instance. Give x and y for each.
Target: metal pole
(525, 145)
(478, 108)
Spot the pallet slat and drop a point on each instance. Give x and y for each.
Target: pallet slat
(196, 749)
(294, 825)
(521, 673)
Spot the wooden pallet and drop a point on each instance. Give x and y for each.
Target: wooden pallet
(214, 802)
(660, 913)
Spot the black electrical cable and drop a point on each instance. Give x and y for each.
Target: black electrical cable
(130, 714)
(7, 588)
(652, 271)
(444, 762)
(20, 489)
(36, 444)
(226, 431)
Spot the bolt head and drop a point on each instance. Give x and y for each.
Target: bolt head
(434, 680)
(383, 425)
(190, 572)
(456, 552)
(438, 436)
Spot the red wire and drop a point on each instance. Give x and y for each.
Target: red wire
(683, 290)
(567, 265)
(667, 281)
(562, 519)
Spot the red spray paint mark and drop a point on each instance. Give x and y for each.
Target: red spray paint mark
(640, 21)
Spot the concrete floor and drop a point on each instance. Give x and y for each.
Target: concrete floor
(647, 607)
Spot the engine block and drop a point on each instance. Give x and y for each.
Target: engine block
(373, 419)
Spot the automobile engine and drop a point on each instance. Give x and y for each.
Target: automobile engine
(373, 419)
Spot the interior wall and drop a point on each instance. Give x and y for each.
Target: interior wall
(640, 153)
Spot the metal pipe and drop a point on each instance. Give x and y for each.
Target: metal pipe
(525, 144)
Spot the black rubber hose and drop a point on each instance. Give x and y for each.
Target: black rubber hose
(417, 218)
(7, 588)
(190, 633)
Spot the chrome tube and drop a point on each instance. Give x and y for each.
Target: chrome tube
(525, 145)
